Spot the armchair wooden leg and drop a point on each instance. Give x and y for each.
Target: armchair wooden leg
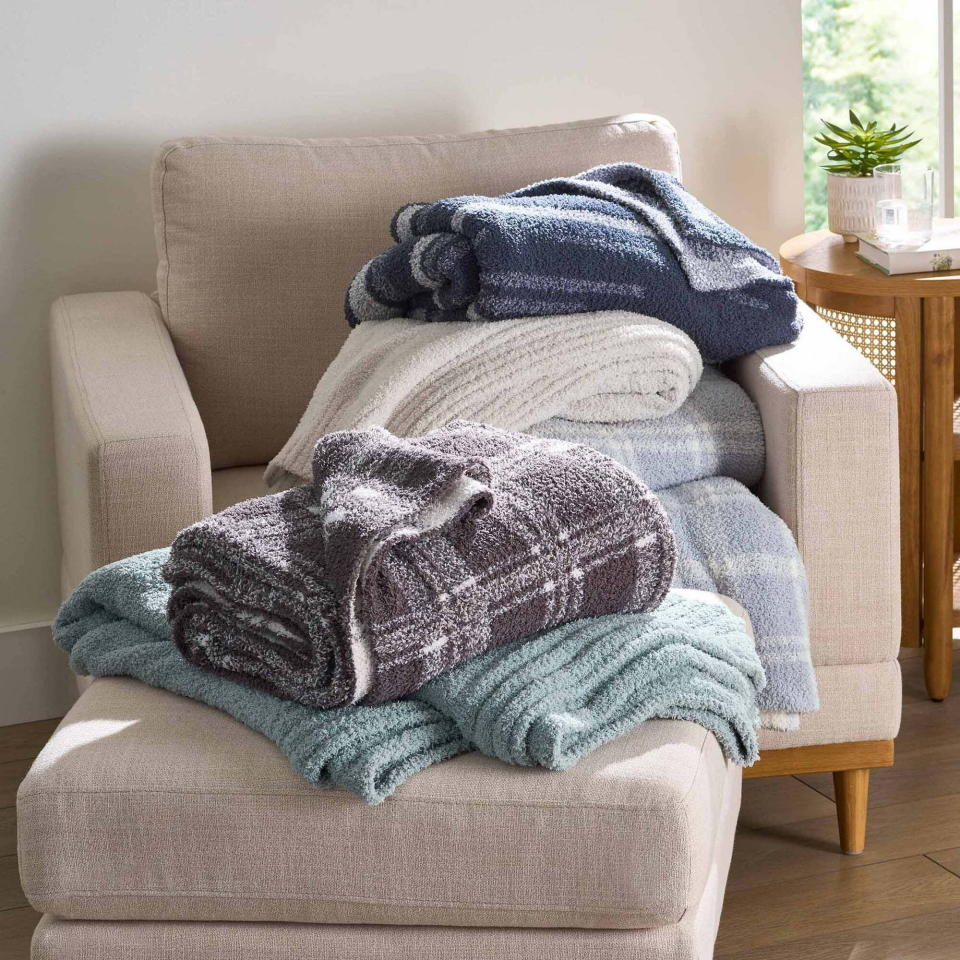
(852, 788)
(850, 763)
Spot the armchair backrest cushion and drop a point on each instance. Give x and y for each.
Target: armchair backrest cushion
(258, 240)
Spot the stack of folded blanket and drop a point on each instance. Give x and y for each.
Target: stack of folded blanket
(544, 702)
(524, 268)
(427, 579)
(605, 288)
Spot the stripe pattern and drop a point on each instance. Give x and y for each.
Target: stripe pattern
(729, 542)
(717, 432)
(617, 237)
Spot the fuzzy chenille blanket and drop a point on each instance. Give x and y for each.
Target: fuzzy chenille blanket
(617, 237)
(544, 702)
(729, 542)
(411, 376)
(408, 556)
(716, 433)
(700, 461)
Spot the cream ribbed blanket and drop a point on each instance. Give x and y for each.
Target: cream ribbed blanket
(412, 376)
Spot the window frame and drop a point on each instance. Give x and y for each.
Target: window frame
(946, 108)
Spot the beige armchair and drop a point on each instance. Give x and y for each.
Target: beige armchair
(169, 407)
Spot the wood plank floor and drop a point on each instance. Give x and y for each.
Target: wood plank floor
(18, 746)
(791, 894)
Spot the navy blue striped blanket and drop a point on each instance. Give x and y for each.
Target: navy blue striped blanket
(617, 237)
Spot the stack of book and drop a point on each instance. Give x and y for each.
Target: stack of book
(940, 252)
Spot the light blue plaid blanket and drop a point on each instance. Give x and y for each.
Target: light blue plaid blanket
(617, 237)
(731, 543)
(716, 433)
(700, 461)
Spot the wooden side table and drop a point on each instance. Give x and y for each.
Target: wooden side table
(905, 325)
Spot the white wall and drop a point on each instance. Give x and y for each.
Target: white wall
(35, 681)
(89, 89)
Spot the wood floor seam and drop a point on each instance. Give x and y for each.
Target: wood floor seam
(953, 873)
(845, 864)
(810, 786)
(949, 859)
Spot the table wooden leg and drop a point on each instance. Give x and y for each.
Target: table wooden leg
(956, 457)
(909, 321)
(937, 494)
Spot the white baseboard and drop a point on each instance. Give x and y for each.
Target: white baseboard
(35, 681)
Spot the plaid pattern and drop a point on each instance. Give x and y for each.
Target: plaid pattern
(728, 542)
(617, 237)
(409, 556)
(717, 432)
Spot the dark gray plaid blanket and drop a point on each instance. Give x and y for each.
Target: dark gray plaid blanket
(408, 556)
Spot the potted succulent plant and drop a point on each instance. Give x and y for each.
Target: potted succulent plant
(854, 152)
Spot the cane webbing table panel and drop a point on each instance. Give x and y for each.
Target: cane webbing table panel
(874, 337)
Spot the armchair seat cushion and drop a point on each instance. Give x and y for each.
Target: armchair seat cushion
(146, 806)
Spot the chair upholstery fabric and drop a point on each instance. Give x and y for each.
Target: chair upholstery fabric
(858, 701)
(690, 939)
(146, 806)
(132, 461)
(253, 267)
(832, 474)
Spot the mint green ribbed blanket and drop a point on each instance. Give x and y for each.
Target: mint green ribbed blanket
(542, 702)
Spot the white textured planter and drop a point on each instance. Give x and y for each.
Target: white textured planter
(852, 203)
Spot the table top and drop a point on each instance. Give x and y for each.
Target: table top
(824, 259)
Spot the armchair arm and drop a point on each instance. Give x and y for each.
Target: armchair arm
(832, 474)
(133, 466)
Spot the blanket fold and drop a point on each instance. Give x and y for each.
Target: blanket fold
(617, 237)
(409, 556)
(716, 433)
(411, 377)
(546, 702)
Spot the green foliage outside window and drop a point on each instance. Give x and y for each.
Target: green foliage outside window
(876, 57)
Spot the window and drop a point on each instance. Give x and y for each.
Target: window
(879, 57)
